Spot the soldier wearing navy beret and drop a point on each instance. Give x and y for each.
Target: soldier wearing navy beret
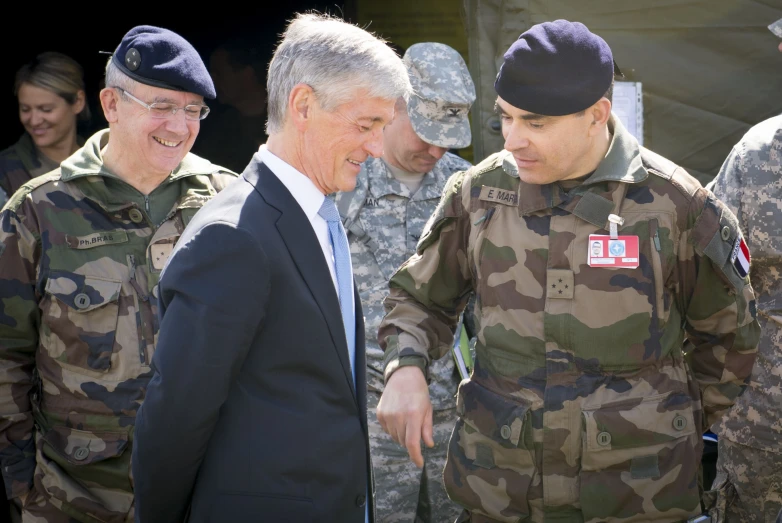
(82, 249)
(616, 318)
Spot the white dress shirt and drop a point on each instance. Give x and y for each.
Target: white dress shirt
(309, 199)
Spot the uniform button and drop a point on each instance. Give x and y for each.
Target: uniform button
(680, 422)
(725, 233)
(604, 439)
(82, 301)
(135, 216)
(155, 291)
(505, 432)
(361, 500)
(81, 453)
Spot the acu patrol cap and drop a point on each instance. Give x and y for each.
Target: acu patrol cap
(161, 58)
(555, 68)
(443, 92)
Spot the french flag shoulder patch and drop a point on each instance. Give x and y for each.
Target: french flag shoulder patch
(740, 257)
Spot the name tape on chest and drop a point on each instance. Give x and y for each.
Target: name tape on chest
(605, 251)
(497, 195)
(97, 239)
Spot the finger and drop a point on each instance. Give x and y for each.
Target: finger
(413, 442)
(427, 430)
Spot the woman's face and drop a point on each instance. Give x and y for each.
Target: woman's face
(46, 116)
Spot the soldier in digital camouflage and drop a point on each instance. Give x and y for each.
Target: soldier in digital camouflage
(50, 92)
(597, 369)
(748, 486)
(81, 251)
(385, 216)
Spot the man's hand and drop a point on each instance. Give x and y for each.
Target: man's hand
(405, 411)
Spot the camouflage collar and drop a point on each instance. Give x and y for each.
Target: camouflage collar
(622, 164)
(382, 183)
(33, 160)
(623, 160)
(88, 161)
(85, 169)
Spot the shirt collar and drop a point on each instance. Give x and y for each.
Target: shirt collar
(298, 184)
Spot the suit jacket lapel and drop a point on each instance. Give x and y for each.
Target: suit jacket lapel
(303, 246)
(361, 361)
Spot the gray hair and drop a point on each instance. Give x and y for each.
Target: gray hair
(335, 59)
(116, 78)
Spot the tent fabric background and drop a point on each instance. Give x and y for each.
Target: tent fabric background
(710, 69)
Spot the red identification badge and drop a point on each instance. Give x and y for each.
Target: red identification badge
(605, 251)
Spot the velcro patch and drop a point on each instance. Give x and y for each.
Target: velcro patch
(484, 456)
(503, 196)
(97, 239)
(740, 257)
(645, 467)
(159, 253)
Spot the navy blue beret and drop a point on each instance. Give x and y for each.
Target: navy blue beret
(161, 58)
(555, 68)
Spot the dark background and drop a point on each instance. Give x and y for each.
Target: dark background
(83, 29)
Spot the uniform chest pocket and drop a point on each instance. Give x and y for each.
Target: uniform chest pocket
(80, 320)
(646, 452)
(490, 463)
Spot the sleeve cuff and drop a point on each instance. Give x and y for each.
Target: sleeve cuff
(406, 361)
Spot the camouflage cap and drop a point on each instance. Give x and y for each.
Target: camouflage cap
(443, 92)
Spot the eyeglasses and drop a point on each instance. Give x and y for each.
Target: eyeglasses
(167, 109)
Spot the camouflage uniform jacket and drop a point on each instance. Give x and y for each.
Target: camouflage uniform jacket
(582, 405)
(20, 163)
(384, 223)
(78, 326)
(750, 183)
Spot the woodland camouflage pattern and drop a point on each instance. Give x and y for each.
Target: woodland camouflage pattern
(78, 326)
(384, 223)
(20, 163)
(385, 220)
(750, 184)
(585, 381)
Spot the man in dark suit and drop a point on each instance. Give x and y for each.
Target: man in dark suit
(257, 408)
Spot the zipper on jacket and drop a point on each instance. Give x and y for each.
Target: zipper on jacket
(657, 269)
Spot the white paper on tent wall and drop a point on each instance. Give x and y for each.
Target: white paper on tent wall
(628, 106)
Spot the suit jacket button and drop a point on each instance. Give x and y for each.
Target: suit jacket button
(361, 500)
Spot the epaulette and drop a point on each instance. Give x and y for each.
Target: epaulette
(18, 197)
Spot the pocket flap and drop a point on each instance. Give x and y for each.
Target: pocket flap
(493, 415)
(82, 293)
(80, 447)
(641, 422)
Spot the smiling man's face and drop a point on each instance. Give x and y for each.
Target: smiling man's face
(154, 145)
(336, 142)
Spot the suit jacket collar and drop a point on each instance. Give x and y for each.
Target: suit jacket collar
(296, 231)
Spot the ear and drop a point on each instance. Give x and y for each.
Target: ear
(109, 98)
(300, 105)
(78, 104)
(600, 113)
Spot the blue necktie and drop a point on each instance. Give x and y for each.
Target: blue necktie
(339, 242)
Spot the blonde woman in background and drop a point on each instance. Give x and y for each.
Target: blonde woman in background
(51, 96)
